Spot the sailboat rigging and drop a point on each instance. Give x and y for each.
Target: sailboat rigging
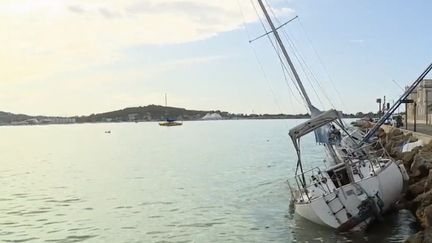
(350, 194)
(333, 148)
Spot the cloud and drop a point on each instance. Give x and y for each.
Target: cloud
(80, 34)
(284, 12)
(108, 13)
(357, 41)
(185, 7)
(76, 9)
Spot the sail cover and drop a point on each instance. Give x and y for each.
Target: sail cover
(321, 133)
(315, 124)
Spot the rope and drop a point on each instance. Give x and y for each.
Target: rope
(265, 76)
(287, 2)
(298, 57)
(322, 65)
(309, 75)
(279, 56)
(286, 81)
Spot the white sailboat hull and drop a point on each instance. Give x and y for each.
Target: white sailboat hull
(354, 205)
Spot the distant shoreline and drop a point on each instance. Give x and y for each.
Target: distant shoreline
(152, 113)
(156, 121)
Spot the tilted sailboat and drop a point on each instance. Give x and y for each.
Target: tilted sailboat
(350, 194)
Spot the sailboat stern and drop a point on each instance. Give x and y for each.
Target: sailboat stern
(344, 214)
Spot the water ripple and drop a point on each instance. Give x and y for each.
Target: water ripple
(22, 240)
(157, 203)
(73, 238)
(156, 185)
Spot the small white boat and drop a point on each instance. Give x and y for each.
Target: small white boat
(349, 195)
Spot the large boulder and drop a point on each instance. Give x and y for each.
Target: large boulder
(393, 132)
(395, 142)
(427, 216)
(416, 238)
(427, 147)
(381, 134)
(415, 189)
(421, 186)
(418, 204)
(411, 138)
(394, 145)
(424, 215)
(427, 235)
(421, 164)
(408, 157)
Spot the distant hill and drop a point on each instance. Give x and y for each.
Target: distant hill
(157, 113)
(7, 117)
(148, 113)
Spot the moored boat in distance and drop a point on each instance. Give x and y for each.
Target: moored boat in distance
(170, 122)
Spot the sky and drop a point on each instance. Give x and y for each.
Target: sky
(77, 57)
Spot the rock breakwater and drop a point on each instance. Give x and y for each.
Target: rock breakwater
(418, 163)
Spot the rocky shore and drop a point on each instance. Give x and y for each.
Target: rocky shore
(418, 163)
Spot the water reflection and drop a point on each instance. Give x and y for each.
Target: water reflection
(222, 181)
(393, 227)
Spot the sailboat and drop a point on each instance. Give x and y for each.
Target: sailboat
(357, 188)
(169, 122)
(348, 195)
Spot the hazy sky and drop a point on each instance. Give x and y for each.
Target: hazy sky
(76, 57)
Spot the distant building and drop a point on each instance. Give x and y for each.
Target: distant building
(64, 120)
(212, 116)
(422, 96)
(57, 120)
(188, 117)
(147, 116)
(132, 117)
(20, 123)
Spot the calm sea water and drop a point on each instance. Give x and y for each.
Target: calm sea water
(215, 181)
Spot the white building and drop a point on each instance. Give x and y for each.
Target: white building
(132, 117)
(212, 116)
(422, 96)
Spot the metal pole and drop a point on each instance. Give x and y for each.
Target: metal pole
(426, 106)
(285, 53)
(379, 108)
(415, 117)
(406, 116)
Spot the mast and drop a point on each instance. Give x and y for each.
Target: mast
(285, 53)
(166, 103)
